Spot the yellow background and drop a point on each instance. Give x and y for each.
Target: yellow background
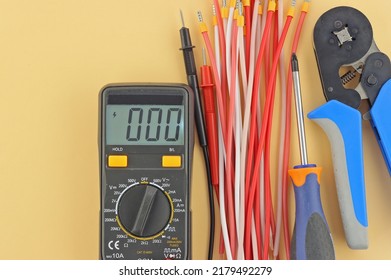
(56, 55)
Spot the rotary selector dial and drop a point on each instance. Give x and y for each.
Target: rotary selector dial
(144, 210)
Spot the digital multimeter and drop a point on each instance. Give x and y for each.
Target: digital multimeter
(146, 146)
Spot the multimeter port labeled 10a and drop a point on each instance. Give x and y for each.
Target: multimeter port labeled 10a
(145, 148)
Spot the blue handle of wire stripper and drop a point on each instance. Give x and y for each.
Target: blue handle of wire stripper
(342, 125)
(311, 239)
(381, 121)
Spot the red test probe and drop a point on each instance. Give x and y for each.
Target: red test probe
(210, 120)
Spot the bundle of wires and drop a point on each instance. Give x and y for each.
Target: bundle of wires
(246, 60)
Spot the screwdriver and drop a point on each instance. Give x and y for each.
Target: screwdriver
(311, 239)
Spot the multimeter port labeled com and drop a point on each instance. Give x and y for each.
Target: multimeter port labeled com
(146, 147)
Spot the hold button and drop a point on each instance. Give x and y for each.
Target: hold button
(117, 161)
(171, 161)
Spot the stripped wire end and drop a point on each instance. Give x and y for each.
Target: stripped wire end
(236, 11)
(238, 3)
(306, 6)
(183, 21)
(240, 18)
(260, 8)
(224, 9)
(291, 10)
(199, 16)
(214, 15)
(239, 6)
(202, 24)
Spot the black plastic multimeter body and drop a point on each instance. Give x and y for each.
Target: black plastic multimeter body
(146, 147)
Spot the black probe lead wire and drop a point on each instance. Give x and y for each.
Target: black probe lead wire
(191, 72)
(211, 203)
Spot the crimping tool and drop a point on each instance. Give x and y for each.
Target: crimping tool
(343, 36)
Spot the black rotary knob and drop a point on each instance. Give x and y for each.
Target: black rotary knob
(144, 210)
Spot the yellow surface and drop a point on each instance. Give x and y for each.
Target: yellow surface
(117, 161)
(171, 161)
(55, 56)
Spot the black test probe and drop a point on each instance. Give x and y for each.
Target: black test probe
(191, 72)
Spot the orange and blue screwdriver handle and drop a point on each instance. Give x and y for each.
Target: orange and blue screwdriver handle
(311, 238)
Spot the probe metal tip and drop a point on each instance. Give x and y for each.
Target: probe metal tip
(295, 63)
(293, 3)
(183, 21)
(199, 15)
(204, 56)
(224, 3)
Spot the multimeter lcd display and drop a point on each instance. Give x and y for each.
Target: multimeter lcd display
(144, 124)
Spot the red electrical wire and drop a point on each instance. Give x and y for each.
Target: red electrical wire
(265, 121)
(230, 172)
(275, 44)
(248, 217)
(268, 194)
(288, 137)
(267, 185)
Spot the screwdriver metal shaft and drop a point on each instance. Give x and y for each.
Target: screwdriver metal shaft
(299, 110)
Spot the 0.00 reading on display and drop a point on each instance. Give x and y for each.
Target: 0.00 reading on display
(144, 124)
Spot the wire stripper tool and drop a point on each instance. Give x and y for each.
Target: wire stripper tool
(343, 37)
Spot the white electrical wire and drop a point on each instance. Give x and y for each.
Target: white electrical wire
(223, 219)
(238, 129)
(238, 146)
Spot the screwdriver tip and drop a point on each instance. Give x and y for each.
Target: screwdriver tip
(295, 63)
